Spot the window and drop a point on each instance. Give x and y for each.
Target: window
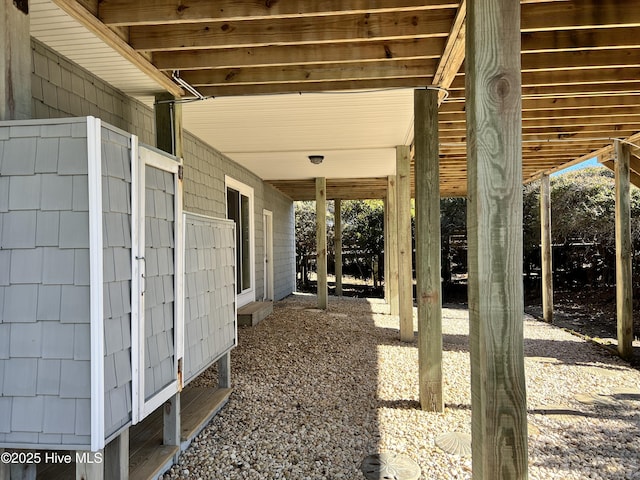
(240, 210)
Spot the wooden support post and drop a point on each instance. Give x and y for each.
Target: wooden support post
(224, 371)
(116, 457)
(321, 241)
(428, 290)
(624, 286)
(385, 240)
(546, 249)
(90, 465)
(15, 61)
(405, 267)
(392, 247)
(5, 468)
(494, 228)
(171, 423)
(169, 137)
(338, 245)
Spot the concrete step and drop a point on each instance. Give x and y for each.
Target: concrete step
(252, 313)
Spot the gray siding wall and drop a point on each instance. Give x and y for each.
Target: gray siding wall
(205, 194)
(209, 292)
(116, 205)
(159, 280)
(61, 88)
(44, 285)
(283, 241)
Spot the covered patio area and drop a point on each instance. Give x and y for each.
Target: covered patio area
(317, 391)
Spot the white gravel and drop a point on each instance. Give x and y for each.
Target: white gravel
(315, 392)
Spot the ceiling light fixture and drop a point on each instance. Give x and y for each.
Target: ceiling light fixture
(316, 159)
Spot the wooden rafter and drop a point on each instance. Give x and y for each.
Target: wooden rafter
(125, 12)
(291, 31)
(580, 63)
(317, 55)
(453, 55)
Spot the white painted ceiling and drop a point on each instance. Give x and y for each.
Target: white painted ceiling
(271, 135)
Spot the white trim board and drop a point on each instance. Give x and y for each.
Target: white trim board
(94, 173)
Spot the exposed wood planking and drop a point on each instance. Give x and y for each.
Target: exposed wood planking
(595, 67)
(278, 55)
(343, 28)
(314, 87)
(124, 12)
(584, 90)
(311, 73)
(453, 55)
(606, 74)
(580, 14)
(556, 133)
(554, 41)
(562, 103)
(578, 60)
(580, 40)
(604, 152)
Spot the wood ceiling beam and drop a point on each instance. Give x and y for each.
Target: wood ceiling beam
(578, 60)
(563, 103)
(570, 77)
(554, 133)
(303, 73)
(77, 11)
(266, 75)
(558, 142)
(454, 52)
(580, 14)
(580, 40)
(589, 90)
(286, 31)
(310, 87)
(275, 55)
(571, 61)
(560, 115)
(127, 12)
(611, 123)
(600, 152)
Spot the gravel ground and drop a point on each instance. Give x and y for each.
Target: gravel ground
(315, 392)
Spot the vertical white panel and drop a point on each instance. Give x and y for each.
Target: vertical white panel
(94, 158)
(137, 281)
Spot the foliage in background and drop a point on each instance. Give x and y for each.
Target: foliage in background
(582, 226)
(362, 236)
(582, 219)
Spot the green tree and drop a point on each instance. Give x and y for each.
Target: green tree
(582, 222)
(305, 218)
(362, 235)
